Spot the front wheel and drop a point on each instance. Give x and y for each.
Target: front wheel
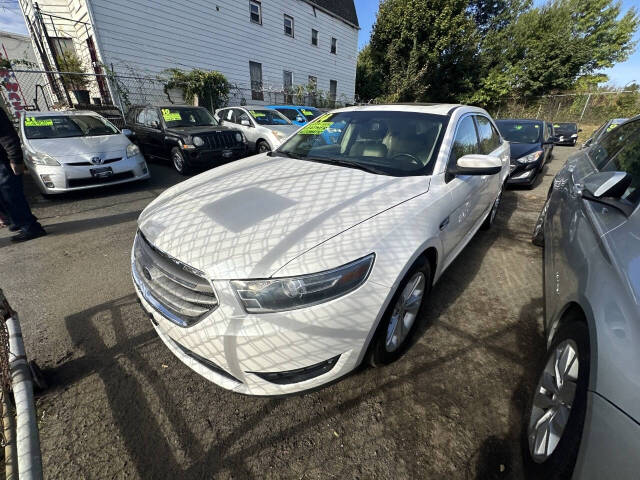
(399, 322)
(263, 147)
(177, 158)
(494, 211)
(556, 413)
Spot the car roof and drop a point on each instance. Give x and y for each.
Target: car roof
(432, 108)
(54, 113)
(251, 107)
(521, 120)
(619, 120)
(290, 107)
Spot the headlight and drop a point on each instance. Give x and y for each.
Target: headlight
(132, 150)
(532, 157)
(198, 141)
(39, 158)
(278, 134)
(239, 137)
(575, 135)
(290, 293)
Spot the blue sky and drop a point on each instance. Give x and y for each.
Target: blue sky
(11, 20)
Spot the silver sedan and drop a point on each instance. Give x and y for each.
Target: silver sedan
(67, 151)
(584, 417)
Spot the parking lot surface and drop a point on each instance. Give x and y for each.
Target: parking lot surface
(119, 405)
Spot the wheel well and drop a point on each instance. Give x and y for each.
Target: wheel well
(430, 255)
(572, 313)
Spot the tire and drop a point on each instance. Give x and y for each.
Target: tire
(384, 349)
(488, 222)
(178, 161)
(555, 459)
(262, 147)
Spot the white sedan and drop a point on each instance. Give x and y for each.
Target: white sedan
(285, 270)
(76, 150)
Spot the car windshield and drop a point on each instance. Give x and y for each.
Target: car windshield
(520, 132)
(384, 142)
(310, 113)
(187, 117)
(565, 128)
(269, 117)
(65, 126)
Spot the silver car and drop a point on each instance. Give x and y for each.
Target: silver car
(76, 150)
(584, 418)
(264, 128)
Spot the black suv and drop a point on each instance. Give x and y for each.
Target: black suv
(188, 136)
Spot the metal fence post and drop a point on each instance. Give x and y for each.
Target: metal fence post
(585, 108)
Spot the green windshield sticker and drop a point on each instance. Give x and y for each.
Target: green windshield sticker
(170, 116)
(556, 125)
(611, 127)
(34, 122)
(308, 113)
(518, 127)
(315, 128)
(257, 114)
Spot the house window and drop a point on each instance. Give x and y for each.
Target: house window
(255, 12)
(255, 72)
(287, 83)
(288, 25)
(333, 91)
(63, 45)
(314, 37)
(334, 45)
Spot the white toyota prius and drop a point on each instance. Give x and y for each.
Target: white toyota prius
(284, 271)
(76, 150)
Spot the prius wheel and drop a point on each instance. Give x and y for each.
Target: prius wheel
(494, 210)
(556, 413)
(263, 147)
(177, 158)
(399, 323)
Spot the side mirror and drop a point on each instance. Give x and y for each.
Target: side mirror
(245, 122)
(126, 132)
(155, 124)
(300, 119)
(477, 165)
(608, 188)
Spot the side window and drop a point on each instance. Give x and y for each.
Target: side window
(549, 133)
(241, 115)
(152, 120)
(628, 160)
(140, 117)
(465, 141)
(489, 138)
(612, 142)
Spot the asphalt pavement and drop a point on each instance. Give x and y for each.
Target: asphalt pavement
(119, 405)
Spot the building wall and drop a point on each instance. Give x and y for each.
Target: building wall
(17, 89)
(148, 37)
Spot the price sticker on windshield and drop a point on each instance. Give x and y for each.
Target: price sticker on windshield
(315, 128)
(170, 116)
(308, 113)
(35, 122)
(257, 114)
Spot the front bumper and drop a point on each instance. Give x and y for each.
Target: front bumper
(566, 141)
(523, 173)
(242, 352)
(208, 158)
(69, 178)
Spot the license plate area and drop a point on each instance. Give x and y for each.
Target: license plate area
(102, 172)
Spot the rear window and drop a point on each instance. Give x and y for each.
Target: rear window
(520, 132)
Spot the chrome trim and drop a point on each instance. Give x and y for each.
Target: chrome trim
(153, 302)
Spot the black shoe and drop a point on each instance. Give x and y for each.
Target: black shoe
(24, 236)
(13, 228)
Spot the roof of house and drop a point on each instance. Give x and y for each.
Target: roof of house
(343, 9)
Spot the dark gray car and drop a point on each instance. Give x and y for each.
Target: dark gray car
(584, 419)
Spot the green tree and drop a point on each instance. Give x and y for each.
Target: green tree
(422, 50)
(369, 79)
(211, 87)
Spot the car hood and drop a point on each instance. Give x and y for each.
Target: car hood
(521, 149)
(286, 129)
(196, 130)
(70, 149)
(249, 218)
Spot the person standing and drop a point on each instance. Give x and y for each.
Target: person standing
(11, 188)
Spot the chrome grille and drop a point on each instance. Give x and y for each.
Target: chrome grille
(172, 288)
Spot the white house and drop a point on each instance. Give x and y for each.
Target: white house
(259, 45)
(17, 89)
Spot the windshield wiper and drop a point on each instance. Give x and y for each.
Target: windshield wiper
(333, 161)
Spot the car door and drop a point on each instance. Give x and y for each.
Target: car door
(547, 144)
(490, 144)
(464, 190)
(155, 133)
(138, 127)
(250, 131)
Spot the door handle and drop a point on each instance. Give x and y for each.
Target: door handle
(444, 223)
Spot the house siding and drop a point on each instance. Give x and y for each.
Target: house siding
(149, 37)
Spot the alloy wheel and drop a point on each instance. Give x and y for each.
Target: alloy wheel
(553, 400)
(496, 204)
(178, 162)
(263, 147)
(405, 312)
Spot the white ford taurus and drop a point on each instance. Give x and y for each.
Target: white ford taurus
(284, 271)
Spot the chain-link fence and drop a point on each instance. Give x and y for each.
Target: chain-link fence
(585, 108)
(113, 94)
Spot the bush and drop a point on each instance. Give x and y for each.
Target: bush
(211, 87)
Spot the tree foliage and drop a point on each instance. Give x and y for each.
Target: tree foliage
(210, 87)
(482, 51)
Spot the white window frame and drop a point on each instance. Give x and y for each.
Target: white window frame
(289, 17)
(255, 3)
